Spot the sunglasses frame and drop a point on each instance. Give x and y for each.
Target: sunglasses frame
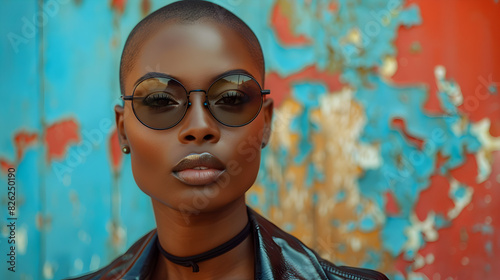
(263, 92)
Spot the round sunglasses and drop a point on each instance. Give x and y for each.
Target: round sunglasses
(162, 102)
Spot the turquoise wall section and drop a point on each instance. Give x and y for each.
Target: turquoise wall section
(385, 150)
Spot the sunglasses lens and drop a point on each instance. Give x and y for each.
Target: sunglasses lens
(235, 100)
(160, 103)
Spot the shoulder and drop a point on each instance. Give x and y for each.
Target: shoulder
(280, 255)
(123, 265)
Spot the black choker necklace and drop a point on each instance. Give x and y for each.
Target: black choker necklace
(215, 252)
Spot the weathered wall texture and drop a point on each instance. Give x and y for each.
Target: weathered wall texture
(386, 144)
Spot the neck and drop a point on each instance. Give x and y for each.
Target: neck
(182, 235)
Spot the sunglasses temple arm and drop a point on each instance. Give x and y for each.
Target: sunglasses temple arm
(128, 97)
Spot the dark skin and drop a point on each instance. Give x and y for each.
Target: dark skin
(194, 219)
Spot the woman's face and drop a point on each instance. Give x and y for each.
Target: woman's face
(220, 162)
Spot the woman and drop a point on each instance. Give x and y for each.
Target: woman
(183, 126)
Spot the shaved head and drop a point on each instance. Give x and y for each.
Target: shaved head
(185, 12)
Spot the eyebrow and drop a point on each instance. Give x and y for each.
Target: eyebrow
(150, 75)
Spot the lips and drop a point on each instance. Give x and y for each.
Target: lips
(198, 169)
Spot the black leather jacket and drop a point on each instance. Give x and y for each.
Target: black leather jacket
(278, 255)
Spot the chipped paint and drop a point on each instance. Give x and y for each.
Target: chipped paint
(59, 136)
(385, 150)
(115, 151)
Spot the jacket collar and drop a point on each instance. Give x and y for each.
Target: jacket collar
(278, 255)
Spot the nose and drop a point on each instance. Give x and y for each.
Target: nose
(198, 125)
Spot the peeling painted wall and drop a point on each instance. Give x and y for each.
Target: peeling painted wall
(385, 150)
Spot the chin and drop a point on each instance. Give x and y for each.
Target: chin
(198, 199)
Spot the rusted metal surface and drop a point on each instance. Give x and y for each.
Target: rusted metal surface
(385, 150)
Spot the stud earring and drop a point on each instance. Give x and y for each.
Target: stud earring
(126, 149)
(263, 144)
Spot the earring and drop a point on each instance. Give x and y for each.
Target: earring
(126, 149)
(263, 144)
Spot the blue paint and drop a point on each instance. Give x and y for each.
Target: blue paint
(411, 16)
(393, 235)
(289, 227)
(367, 224)
(351, 226)
(359, 209)
(376, 37)
(286, 60)
(459, 192)
(335, 223)
(406, 170)
(315, 198)
(310, 178)
(253, 199)
(487, 267)
(493, 89)
(72, 93)
(20, 62)
(446, 103)
(28, 205)
(409, 255)
(340, 196)
(488, 247)
(86, 60)
(341, 247)
(372, 260)
(398, 276)
(308, 95)
(21, 95)
(483, 228)
(441, 222)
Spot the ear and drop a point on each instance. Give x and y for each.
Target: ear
(120, 125)
(267, 108)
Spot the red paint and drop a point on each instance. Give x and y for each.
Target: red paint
(22, 141)
(463, 37)
(59, 136)
(115, 151)
(145, 7)
(400, 124)
(119, 5)
(440, 160)
(333, 6)
(435, 198)
(284, 31)
(5, 165)
(463, 240)
(391, 205)
(282, 86)
(401, 264)
(467, 172)
(495, 122)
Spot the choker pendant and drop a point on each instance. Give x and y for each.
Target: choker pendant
(215, 252)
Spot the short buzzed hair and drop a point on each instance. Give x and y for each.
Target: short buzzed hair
(186, 11)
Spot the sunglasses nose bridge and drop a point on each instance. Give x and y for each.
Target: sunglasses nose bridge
(205, 102)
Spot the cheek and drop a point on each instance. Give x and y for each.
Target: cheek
(149, 154)
(245, 154)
